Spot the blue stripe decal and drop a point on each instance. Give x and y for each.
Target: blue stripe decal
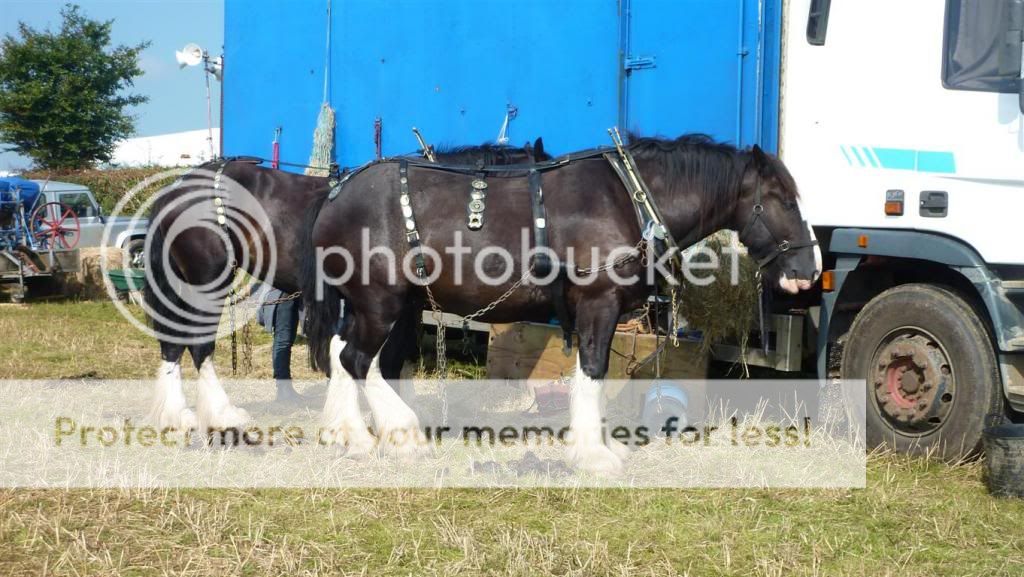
(846, 156)
(897, 158)
(867, 155)
(933, 161)
(856, 154)
(940, 162)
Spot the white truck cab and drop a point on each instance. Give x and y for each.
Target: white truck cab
(903, 122)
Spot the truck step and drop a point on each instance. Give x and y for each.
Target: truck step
(1013, 286)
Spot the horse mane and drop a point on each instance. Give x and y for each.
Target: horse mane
(491, 154)
(715, 169)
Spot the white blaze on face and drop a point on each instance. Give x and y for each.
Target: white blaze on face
(793, 286)
(818, 267)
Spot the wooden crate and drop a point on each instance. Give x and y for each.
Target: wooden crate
(534, 351)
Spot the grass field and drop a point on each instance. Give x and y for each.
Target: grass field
(917, 517)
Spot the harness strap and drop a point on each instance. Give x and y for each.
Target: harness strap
(780, 247)
(337, 182)
(477, 195)
(541, 265)
(412, 235)
(652, 223)
(219, 199)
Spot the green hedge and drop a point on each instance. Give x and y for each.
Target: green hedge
(109, 185)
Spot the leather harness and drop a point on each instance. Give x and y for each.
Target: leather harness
(652, 224)
(780, 247)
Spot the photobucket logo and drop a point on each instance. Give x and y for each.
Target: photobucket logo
(200, 229)
(497, 266)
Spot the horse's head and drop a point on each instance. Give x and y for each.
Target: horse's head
(768, 215)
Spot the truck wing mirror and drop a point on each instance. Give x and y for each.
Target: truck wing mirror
(1020, 81)
(1011, 51)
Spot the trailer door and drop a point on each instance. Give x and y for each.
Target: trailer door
(699, 66)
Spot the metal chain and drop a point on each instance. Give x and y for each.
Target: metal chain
(246, 349)
(639, 251)
(504, 297)
(283, 299)
(231, 325)
(674, 293)
(442, 354)
(438, 314)
(234, 300)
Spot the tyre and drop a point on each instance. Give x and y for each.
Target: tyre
(134, 257)
(930, 368)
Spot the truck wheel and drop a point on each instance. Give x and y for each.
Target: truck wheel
(134, 257)
(930, 369)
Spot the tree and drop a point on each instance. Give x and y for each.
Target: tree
(62, 94)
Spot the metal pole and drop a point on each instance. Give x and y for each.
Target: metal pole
(221, 119)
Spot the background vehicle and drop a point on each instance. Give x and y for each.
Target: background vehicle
(901, 121)
(45, 224)
(909, 149)
(123, 233)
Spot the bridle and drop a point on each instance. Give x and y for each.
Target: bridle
(782, 247)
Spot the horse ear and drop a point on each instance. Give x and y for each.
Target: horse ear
(538, 147)
(760, 158)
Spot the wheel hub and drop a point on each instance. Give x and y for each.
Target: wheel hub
(913, 385)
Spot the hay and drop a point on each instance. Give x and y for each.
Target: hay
(87, 283)
(722, 311)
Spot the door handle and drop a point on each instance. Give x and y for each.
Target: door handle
(934, 203)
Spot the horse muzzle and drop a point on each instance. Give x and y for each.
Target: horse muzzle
(793, 285)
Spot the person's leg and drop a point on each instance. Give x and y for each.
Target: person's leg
(286, 322)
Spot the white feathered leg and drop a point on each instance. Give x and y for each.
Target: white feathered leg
(396, 423)
(214, 408)
(169, 407)
(587, 449)
(342, 420)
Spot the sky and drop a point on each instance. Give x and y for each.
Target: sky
(177, 98)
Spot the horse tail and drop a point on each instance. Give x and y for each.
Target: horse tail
(322, 314)
(158, 294)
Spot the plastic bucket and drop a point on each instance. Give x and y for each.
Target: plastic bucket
(1004, 459)
(128, 279)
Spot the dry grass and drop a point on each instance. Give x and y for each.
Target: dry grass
(917, 517)
(722, 311)
(91, 340)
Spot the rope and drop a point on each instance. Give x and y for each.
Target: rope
(323, 142)
(323, 135)
(327, 54)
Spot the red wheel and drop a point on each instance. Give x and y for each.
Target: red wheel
(55, 224)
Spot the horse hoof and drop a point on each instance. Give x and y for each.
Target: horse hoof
(349, 443)
(360, 448)
(177, 419)
(597, 459)
(408, 444)
(620, 449)
(228, 417)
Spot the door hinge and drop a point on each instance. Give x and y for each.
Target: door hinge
(640, 62)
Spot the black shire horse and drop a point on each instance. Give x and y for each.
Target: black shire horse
(191, 257)
(699, 185)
